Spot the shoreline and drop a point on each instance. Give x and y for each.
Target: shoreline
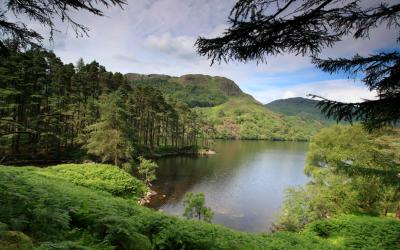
(51, 162)
(36, 161)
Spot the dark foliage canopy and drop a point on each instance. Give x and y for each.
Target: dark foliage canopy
(261, 28)
(44, 12)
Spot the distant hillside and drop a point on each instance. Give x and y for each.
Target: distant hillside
(236, 115)
(299, 106)
(195, 90)
(245, 118)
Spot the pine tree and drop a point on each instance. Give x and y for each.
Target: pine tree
(195, 207)
(147, 169)
(262, 28)
(110, 138)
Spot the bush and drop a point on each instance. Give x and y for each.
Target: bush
(359, 232)
(100, 177)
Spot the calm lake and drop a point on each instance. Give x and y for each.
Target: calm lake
(244, 183)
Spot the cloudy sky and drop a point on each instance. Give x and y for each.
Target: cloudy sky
(157, 36)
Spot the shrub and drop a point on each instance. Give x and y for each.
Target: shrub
(195, 207)
(100, 177)
(359, 232)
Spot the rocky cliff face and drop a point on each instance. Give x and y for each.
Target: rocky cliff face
(227, 86)
(195, 89)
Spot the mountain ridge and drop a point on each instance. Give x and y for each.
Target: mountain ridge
(299, 106)
(191, 82)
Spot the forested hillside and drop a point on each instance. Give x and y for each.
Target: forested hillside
(245, 118)
(298, 106)
(234, 114)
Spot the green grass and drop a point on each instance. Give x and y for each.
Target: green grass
(52, 213)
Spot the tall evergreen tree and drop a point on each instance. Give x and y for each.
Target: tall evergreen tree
(110, 138)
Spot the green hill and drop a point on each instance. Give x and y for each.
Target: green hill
(245, 118)
(236, 115)
(194, 90)
(301, 107)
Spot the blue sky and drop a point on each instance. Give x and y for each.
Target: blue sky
(157, 36)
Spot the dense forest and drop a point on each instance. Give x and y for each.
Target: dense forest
(52, 110)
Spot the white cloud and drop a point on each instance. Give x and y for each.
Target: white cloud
(284, 63)
(289, 94)
(179, 46)
(380, 37)
(344, 90)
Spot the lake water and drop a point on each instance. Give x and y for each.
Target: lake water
(244, 183)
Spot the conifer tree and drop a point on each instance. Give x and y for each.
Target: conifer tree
(147, 169)
(45, 13)
(110, 138)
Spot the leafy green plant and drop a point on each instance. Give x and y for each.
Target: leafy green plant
(359, 232)
(353, 172)
(147, 169)
(102, 177)
(195, 207)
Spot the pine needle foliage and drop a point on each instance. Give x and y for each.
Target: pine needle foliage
(111, 138)
(46, 13)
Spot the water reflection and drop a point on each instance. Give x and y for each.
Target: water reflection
(244, 182)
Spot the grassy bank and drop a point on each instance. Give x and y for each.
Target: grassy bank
(101, 177)
(50, 211)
